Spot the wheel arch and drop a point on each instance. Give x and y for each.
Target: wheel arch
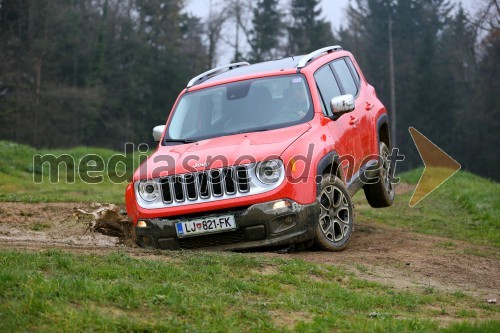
(328, 164)
(383, 132)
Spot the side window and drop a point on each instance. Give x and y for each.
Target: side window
(353, 70)
(344, 75)
(327, 86)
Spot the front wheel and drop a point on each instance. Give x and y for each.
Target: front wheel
(336, 218)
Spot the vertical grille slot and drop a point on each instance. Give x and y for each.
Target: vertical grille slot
(203, 184)
(242, 179)
(229, 181)
(178, 190)
(190, 186)
(166, 191)
(216, 180)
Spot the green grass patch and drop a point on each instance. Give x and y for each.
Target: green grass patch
(208, 292)
(481, 252)
(18, 172)
(445, 245)
(466, 207)
(38, 226)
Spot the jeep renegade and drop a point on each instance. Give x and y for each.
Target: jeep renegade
(263, 155)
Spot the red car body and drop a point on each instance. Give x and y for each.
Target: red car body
(324, 140)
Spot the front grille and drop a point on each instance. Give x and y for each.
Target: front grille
(205, 185)
(230, 237)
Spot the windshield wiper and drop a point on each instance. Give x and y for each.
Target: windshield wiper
(251, 130)
(179, 140)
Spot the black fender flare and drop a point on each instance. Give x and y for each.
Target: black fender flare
(329, 158)
(383, 119)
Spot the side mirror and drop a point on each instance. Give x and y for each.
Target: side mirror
(342, 104)
(158, 132)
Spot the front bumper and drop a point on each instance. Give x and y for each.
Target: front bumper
(258, 225)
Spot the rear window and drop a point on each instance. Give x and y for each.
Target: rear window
(353, 70)
(345, 76)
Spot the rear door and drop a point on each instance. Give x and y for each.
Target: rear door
(349, 82)
(343, 129)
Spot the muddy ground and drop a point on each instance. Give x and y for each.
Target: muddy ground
(397, 257)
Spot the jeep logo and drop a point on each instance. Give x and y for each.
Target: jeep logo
(199, 165)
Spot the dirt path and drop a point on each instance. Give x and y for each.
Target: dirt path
(405, 259)
(393, 256)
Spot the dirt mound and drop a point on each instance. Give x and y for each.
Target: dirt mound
(69, 224)
(107, 219)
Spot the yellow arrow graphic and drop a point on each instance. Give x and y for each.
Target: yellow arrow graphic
(439, 166)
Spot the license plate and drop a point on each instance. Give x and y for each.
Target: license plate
(205, 226)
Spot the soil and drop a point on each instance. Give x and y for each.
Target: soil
(397, 257)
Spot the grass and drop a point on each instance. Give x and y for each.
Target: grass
(17, 172)
(41, 226)
(214, 292)
(466, 207)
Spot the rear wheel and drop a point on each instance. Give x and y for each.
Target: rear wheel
(381, 193)
(336, 219)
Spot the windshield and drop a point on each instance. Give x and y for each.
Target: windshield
(245, 106)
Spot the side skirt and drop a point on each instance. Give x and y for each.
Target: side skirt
(359, 179)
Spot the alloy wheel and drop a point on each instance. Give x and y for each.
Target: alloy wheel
(334, 219)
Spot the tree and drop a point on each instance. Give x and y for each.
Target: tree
(72, 72)
(416, 29)
(308, 30)
(486, 19)
(192, 44)
(484, 130)
(214, 23)
(457, 69)
(267, 30)
(480, 126)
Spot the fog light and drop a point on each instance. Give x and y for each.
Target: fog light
(282, 204)
(147, 241)
(288, 220)
(141, 224)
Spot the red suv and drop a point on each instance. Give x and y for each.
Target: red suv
(265, 154)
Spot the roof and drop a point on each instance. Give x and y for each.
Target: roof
(233, 70)
(267, 66)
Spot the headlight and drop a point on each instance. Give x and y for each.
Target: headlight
(269, 172)
(149, 190)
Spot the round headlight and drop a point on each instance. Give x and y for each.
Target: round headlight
(269, 172)
(149, 190)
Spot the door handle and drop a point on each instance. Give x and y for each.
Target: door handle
(353, 120)
(369, 106)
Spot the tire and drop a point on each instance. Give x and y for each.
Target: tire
(336, 219)
(381, 193)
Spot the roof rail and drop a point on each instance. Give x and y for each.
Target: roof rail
(305, 60)
(214, 71)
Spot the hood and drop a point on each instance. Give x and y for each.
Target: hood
(218, 152)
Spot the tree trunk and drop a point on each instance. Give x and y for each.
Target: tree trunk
(392, 85)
